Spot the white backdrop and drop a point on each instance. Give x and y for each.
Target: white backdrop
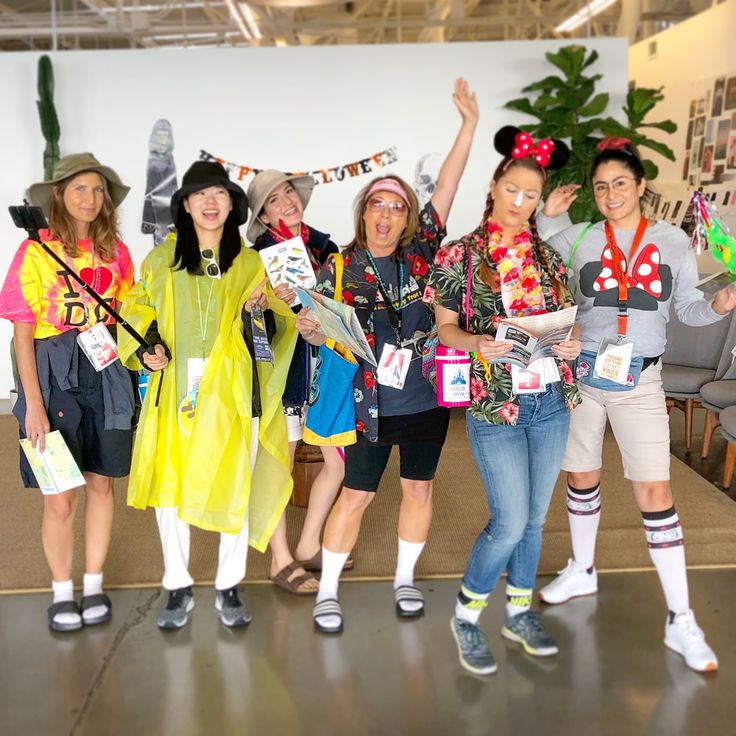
(288, 108)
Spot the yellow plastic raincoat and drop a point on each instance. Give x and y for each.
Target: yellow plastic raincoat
(207, 475)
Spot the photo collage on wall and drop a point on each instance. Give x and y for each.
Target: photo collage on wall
(710, 144)
(674, 205)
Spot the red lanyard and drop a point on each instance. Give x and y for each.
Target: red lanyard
(619, 270)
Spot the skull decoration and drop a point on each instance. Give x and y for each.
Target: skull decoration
(425, 176)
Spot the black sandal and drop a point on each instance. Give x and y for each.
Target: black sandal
(64, 607)
(95, 601)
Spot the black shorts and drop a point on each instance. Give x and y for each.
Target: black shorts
(79, 415)
(420, 438)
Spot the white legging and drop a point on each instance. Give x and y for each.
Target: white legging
(233, 552)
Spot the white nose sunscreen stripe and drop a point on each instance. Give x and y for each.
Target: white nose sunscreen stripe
(519, 199)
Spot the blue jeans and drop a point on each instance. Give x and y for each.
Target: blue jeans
(519, 466)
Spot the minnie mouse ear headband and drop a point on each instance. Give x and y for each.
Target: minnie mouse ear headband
(512, 143)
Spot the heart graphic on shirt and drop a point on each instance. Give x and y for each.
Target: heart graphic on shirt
(98, 278)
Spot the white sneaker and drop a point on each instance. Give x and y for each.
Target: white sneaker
(571, 582)
(684, 636)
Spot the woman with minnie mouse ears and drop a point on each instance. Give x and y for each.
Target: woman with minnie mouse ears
(628, 270)
(517, 435)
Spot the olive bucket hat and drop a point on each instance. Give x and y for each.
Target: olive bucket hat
(264, 182)
(71, 165)
(203, 174)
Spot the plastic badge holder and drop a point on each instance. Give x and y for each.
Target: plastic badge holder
(98, 345)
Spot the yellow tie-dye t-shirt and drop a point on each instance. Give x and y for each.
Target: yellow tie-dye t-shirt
(37, 290)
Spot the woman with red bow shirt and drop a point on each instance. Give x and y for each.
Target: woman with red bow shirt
(628, 271)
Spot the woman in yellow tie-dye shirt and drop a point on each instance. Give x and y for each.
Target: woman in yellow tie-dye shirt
(58, 387)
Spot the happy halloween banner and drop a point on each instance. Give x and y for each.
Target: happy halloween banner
(321, 176)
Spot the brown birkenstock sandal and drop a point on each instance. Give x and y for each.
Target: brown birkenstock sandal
(314, 564)
(294, 585)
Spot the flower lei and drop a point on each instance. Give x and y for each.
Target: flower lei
(522, 280)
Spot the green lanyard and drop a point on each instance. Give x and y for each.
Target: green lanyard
(203, 319)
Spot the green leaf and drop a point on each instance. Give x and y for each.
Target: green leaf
(668, 126)
(595, 107)
(551, 82)
(651, 170)
(522, 104)
(660, 148)
(591, 59)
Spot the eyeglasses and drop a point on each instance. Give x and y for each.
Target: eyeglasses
(211, 268)
(395, 209)
(621, 184)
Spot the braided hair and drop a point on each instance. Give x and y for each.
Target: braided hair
(504, 143)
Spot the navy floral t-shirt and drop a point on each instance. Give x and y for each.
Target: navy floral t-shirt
(360, 290)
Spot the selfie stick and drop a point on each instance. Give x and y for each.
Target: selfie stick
(31, 219)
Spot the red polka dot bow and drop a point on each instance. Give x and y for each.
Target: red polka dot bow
(645, 274)
(541, 153)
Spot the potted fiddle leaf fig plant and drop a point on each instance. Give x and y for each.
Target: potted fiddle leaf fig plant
(567, 106)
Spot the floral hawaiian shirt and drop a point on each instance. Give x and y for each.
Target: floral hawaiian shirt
(360, 289)
(492, 399)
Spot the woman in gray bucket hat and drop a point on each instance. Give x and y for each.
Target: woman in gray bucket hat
(59, 388)
(278, 201)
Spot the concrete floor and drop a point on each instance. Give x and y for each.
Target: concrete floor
(613, 675)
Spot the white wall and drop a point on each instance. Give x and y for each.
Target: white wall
(688, 60)
(287, 108)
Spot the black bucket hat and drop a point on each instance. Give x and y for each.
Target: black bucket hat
(203, 174)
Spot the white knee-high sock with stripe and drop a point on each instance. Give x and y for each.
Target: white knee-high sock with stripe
(584, 515)
(667, 550)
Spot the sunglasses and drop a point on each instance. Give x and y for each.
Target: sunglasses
(395, 209)
(211, 268)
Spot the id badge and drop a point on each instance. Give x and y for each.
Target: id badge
(99, 347)
(613, 360)
(526, 381)
(393, 366)
(261, 346)
(195, 371)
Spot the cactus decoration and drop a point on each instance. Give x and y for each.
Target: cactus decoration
(47, 115)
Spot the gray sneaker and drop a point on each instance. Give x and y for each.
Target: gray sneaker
(231, 609)
(472, 646)
(176, 613)
(527, 630)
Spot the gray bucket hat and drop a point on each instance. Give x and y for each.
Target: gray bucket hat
(71, 165)
(262, 185)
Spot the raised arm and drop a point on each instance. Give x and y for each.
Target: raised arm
(454, 165)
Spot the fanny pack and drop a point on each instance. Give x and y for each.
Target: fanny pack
(584, 372)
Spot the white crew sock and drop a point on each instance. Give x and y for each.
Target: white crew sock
(518, 600)
(470, 605)
(584, 515)
(405, 563)
(93, 586)
(92, 583)
(332, 564)
(667, 550)
(64, 591)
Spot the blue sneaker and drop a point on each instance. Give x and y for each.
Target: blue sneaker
(527, 630)
(472, 646)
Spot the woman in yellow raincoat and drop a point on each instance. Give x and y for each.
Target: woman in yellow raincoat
(211, 447)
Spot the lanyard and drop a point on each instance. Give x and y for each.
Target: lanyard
(619, 271)
(393, 308)
(203, 319)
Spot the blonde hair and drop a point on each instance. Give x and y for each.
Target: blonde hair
(103, 231)
(361, 201)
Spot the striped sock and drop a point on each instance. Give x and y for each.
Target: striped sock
(667, 550)
(518, 600)
(584, 515)
(470, 605)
